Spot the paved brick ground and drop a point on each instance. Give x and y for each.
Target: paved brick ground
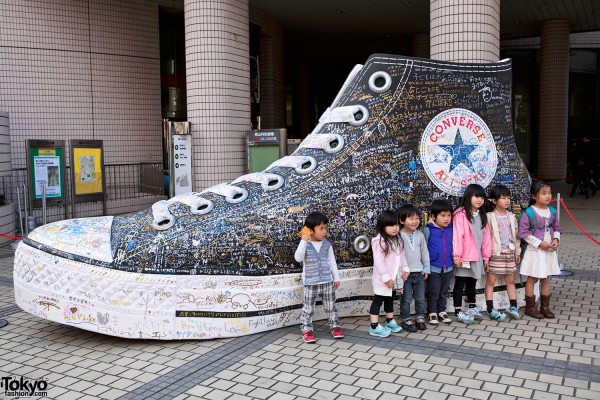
(547, 359)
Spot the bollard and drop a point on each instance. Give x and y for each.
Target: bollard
(43, 204)
(31, 223)
(20, 216)
(25, 208)
(563, 271)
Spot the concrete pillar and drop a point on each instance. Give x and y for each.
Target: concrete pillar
(420, 45)
(218, 88)
(553, 100)
(465, 30)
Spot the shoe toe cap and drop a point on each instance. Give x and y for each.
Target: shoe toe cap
(85, 237)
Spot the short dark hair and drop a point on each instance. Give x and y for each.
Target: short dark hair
(498, 191)
(439, 205)
(407, 210)
(315, 219)
(536, 187)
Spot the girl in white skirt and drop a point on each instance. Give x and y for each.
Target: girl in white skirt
(540, 228)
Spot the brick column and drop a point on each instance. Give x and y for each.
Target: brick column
(554, 92)
(218, 88)
(465, 30)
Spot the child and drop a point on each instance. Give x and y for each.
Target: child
(540, 259)
(320, 275)
(417, 257)
(438, 234)
(506, 253)
(472, 248)
(388, 259)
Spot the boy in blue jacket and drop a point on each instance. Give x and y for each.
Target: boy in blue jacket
(438, 234)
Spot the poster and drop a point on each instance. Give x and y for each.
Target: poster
(87, 166)
(47, 173)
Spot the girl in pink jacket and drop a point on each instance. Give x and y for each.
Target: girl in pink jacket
(471, 247)
(390, 269)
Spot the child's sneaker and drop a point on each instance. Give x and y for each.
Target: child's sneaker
(393, 326)
(475, 313)
(379, 331)
(308, 337)
(464, 317)
(445, 318)
(409, 326)
(513, 312)
(433, 319)
(497, 315)
(337, 333)
(421, 324)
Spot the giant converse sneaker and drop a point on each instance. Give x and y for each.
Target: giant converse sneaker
(221, 262)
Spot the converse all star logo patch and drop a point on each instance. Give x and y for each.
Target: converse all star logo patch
(457, 149)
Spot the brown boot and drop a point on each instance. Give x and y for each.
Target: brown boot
(545, 307)
(530, 308)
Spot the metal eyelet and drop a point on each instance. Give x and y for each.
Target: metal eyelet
(204, 206)
(340, 143)
(378, 75)
(361, 116)
(304, 169)
(274, 183)
(362, 244)
(163, 224)
(237, 196)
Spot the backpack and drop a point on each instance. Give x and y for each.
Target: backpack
(532, 226)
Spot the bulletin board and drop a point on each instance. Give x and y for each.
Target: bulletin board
(87, 171)
(46, 168)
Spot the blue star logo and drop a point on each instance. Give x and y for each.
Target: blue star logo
(459, 152)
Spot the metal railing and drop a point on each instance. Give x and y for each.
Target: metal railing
(127, 181)
(123, 181)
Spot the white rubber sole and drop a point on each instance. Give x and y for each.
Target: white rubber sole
(173, 307)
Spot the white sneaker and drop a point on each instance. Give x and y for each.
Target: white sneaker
(433, 319)
(443, 316)
(220, 240)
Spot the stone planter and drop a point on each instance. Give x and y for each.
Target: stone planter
(8, 223)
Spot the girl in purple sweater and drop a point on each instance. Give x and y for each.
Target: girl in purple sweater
(540, 260)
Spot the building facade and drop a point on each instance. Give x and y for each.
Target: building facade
(108, 70)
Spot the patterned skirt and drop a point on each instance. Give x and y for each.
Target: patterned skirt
(503, 263)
